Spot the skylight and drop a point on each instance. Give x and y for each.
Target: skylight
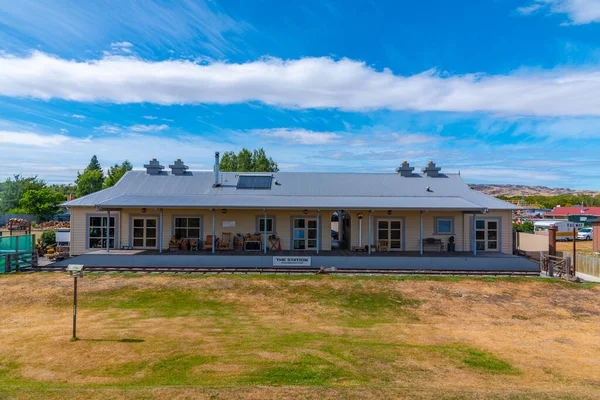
(256, 182)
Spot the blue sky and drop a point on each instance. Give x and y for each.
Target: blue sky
(506, 91)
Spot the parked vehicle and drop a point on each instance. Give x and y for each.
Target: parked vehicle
(564, 230)
(585, 234)
(335, 235)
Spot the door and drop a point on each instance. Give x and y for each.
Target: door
(305, 234)
(486, 235)
(145, 232)
(390, 232)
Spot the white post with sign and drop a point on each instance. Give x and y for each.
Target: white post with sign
(75, 271)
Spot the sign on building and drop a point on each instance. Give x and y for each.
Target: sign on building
(291, 262)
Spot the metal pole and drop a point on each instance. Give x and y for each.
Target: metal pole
(421, 234)
(213, 231)
(75, 308)
(340, 226)
(360, 232)
(107, 231)
(17, 253)
(574, 252)
(318, 231)
(474, 234)
(265, 233)
(369, 230)
(160, 231)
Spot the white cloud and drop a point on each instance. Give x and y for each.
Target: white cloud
(134, 128)
(527, 10)
(407, 139)
(579, 12)
(148, 128)
(109, 128)
(78, 116)
(298, 136)
(57, 158)
(121, 44)
(150, 117)
(31, 139)
(304, 83)
(510, 176)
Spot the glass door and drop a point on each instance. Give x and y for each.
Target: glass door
(486, 235)
(145, 232)
(305, 233)
(390, 232)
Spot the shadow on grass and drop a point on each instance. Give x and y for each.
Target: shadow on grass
(113, 340)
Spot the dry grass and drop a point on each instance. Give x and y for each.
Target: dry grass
(261, 337)
(583, 247)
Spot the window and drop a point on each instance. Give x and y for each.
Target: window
(486, 235)
(305, 233)
(187, 227)
(444, 226)
(97, 233)
(260, 224)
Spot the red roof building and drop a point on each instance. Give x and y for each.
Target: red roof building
(564, 212)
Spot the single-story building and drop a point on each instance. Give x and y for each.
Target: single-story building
(397, 213)
(575, 214)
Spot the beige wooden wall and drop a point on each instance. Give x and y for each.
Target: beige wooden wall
(245, 221)
(462, 227)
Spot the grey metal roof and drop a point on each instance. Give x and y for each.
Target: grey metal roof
(294, 190)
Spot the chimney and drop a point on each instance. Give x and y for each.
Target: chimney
(178, 168)
(431, 170)
(216, 184)
(405, 169)
(154, 167)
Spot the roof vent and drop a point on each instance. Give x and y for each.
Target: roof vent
(178, 168)
(431, 169)
(154, 167)
(405, 169)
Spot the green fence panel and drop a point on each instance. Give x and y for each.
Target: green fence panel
(9, 246)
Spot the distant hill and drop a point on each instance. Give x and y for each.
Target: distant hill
(525, 190)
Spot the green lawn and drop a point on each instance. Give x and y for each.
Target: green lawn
(257, 336)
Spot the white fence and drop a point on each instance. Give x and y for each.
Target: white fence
(585, 264)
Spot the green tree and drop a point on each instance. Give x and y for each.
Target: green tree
(12, 190)
(228, 162)
(43, 203)
(116, 172)
(247, 161)
(262, 163)
(89, 182)
(94, 165)
(65, 189)
(244, 161)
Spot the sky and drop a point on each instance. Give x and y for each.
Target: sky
(504, 91)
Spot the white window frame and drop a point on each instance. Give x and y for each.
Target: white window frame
(103, 218)
(437, 226)
(187, 227)
(260, 218)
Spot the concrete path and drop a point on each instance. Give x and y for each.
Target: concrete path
(588, 278)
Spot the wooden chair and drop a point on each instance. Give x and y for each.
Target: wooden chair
(225, 242)
(208, 242)
(193, 244)
(382, 245)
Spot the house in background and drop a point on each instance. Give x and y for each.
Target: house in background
(575, 214)
(287, 213)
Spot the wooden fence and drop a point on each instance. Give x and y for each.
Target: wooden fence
(586, 264)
